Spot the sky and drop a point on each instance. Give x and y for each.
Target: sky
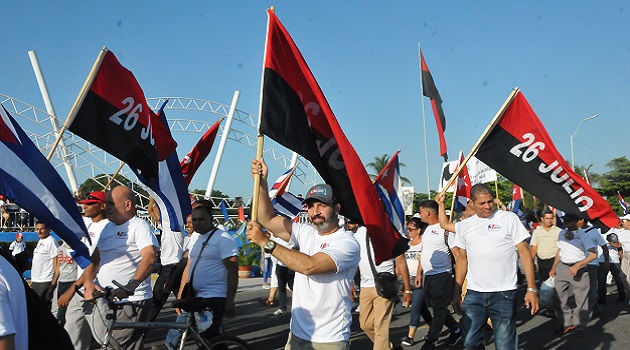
(571, 59)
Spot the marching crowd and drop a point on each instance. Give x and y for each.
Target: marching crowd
(472, 265)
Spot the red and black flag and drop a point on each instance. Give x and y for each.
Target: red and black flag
(114, 116)
(198, 154)
(520, 149)
(295, 114)
(430, 90)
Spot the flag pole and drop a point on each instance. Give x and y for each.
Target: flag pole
(80, 98)
(483, 136)
(261, 139)
(496, 188)
(109, 183)
(224, 138)
(424, 123)
(450, 217)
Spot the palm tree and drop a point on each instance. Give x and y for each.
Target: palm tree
(379, 163)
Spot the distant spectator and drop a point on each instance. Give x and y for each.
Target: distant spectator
(44, 258)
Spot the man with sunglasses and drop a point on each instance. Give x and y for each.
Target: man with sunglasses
(575, 251)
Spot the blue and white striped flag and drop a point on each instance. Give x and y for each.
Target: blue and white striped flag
(287, 205)
(27, 178)
(387, 184)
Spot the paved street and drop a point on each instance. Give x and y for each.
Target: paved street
(261, 330)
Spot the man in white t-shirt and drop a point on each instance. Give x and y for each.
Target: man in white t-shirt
(18, 251)
(489, 242)
(575, 251)
(44, 257)
(126, 251)
(13, 319)
(595, 236)
(615, 253)
(212, 267)
(375, 312)
(324, 265)
(76, 323)
(624, 239)
(437, 270)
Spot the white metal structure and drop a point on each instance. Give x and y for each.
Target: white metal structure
(90, 161)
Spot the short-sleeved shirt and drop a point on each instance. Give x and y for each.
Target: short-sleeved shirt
(94, 231)
(412, 257)
(171, 246)
(595, 235)
(576, 249)
(13, 316)
(321, 303)
(119, 247)
(42, 267)
(545, 241)
(436, 256)
(210, 280)
(367, 277)
(67, 266)
(490, 245)
(624, 239)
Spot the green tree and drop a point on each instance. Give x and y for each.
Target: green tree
(617, 179)
(379, 163)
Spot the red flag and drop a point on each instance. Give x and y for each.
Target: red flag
(517, 192)
(198, 154)
(115, 117)
(295, 114)
(520, 149)
(241, 213)
(430, 90)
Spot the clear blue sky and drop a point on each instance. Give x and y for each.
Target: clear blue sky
(571, 59)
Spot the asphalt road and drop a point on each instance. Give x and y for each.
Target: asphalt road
(261, 330)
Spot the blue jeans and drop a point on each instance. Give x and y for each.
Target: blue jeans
(500, 307)
(267, 266)
(419, 307)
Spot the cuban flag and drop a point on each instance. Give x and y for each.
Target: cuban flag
(169, 190)
(27, 178)
(285, 203)
(623, 204)
(280, 186)
(463, 186)
(387, 185)
(517, 198)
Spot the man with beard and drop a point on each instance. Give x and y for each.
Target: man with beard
(324, 264)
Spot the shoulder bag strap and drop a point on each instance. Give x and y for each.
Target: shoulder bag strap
(369, 252)
(192, 273)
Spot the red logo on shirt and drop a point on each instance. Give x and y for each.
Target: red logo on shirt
(323, 246)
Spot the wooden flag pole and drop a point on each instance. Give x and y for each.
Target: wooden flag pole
(79, 100)
(483, 137)
(256, 195)
(496, 189)
(450, 217)
(109, 183)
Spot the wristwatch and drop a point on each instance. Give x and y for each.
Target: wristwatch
(270, 246)
(535, 290)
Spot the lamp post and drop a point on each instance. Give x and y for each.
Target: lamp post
(573, 138)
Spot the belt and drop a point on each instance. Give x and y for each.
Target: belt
(571, 264)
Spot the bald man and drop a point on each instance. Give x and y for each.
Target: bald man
(126, 253)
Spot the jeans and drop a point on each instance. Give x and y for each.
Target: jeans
(439, 290)
(285, 277)
(267, 268)
(419, 308)
(618, 277)
(500, 307)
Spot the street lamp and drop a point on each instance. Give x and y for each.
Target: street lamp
(573, 138)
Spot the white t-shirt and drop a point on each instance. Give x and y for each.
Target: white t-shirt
(624, 239)
(13, 316)
(490, 245)
(94, 230)
(574, 250)
(283, 243)
(321, 303)
(367, 277)
(210, 274)
(435, 253)
(172, 247)
(120, 246)
(42, 267)
(412, 256)
(17, 247)
(67, 266)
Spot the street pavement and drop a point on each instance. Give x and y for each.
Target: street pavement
(256, 325)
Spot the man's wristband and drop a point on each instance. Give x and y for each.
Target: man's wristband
(534, 290)
(408, 292)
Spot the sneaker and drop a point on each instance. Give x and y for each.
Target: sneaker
(279, 312)
(408, 341)
(455, 337)
(266, 286)
(428, 346)
(568, 329)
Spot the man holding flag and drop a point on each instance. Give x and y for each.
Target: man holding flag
(324, 265)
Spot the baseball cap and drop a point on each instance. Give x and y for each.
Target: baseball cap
(93, 197)
(18, 235)
(320, 192)
(625, 217)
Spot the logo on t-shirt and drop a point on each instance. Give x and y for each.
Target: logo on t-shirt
(121, 235)
(494, 227)
(323, 246)
(435, 232)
